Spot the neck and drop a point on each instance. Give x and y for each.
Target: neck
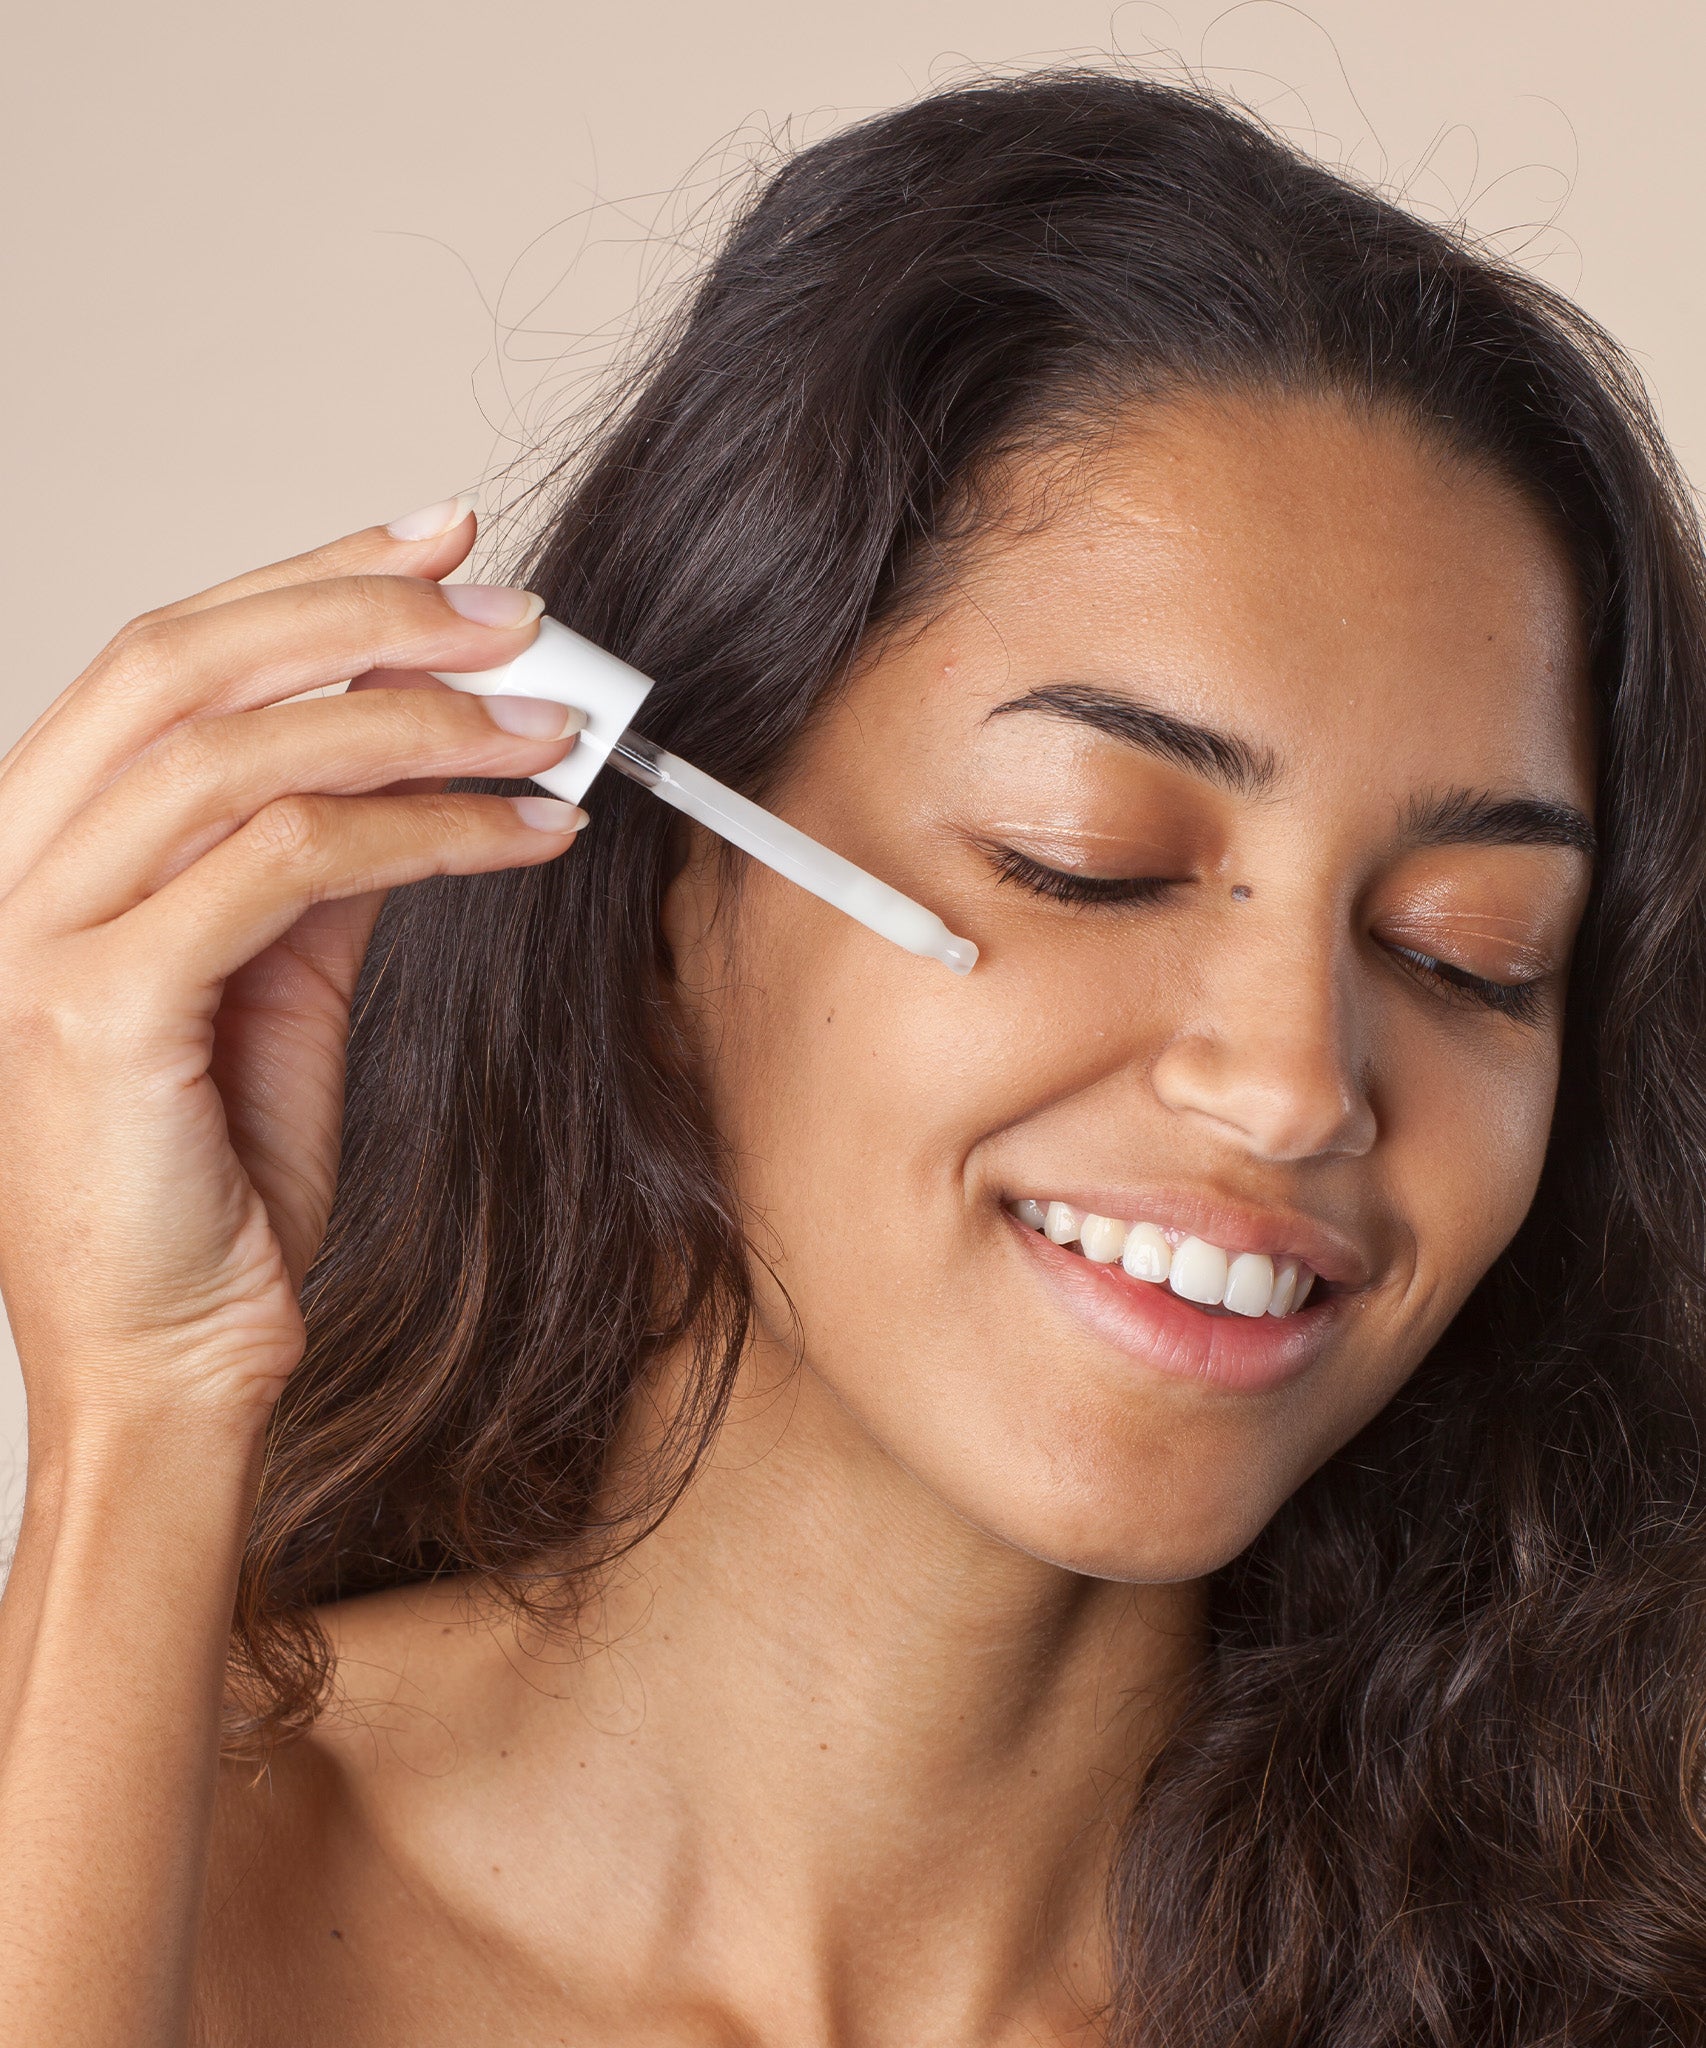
(844, 1755)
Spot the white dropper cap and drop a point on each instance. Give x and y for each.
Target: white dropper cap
(565, 668)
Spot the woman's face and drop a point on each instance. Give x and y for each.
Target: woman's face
(1259, 773)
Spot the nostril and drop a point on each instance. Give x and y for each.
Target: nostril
(1285, 1091)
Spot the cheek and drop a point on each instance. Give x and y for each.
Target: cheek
(858, 1134)
(1465, 1130)
(857, 1082)
(864, 1094)
(855, 1085)
(854, 1092)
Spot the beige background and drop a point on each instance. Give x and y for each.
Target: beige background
(271, 273)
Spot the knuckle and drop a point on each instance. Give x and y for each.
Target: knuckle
(191, 755)
(379, 603)
(42, 1026)
(376, 618)
(140, 649)
(416, 718)
(142, 622)
(72, 1016)
(291, 831)
(140, 635)
(448, 817)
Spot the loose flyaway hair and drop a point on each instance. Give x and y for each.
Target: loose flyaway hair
(1441, 1779)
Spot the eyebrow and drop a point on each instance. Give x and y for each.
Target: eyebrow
(1453, 817)
(1477, 817)
(1218, 756)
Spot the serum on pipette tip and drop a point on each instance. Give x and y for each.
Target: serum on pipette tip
(566, 668)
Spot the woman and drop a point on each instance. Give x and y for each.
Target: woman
(1148, 1494)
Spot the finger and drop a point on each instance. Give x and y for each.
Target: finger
(303, 850)
(427, 544)
(209, 776)
(401, 679)
(237, 656)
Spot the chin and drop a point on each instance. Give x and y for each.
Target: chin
(1067, 1421)
(1137, 1499)
(1162, 1545)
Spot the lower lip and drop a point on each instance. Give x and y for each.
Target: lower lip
(1149, 1322)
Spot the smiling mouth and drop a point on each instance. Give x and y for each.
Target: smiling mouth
(1219, 1283)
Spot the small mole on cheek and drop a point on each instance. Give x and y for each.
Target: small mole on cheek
(1241, 892)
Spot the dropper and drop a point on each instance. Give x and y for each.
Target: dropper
(568, 669)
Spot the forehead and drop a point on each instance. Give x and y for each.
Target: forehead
(1331, 586)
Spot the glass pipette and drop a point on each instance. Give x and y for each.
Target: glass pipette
(568, 669)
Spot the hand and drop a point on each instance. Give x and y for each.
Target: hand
(190, 869)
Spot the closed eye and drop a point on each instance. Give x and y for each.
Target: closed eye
(1519, 999)
(1063, 886)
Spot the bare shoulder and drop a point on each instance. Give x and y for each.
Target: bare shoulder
(324, 1917)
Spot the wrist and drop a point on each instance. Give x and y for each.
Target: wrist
(128, 1551)
(189, 1454)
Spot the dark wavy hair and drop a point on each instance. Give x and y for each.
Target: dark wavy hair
(1441, 1779)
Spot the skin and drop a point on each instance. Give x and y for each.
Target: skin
(838, 1756)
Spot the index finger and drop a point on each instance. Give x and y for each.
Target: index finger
(261, 649)
(429, 543)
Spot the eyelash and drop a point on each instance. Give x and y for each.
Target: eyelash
(1063, 887)
(1520, 999)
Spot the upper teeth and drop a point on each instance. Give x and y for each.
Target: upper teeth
(1248, 1283)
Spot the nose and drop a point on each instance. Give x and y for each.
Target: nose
(1269, 1055)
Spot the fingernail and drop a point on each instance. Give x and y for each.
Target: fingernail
(533, 718)
(431, 520)
(493, 604)
(549, 813)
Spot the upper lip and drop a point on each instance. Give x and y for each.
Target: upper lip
(1225, 1220)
